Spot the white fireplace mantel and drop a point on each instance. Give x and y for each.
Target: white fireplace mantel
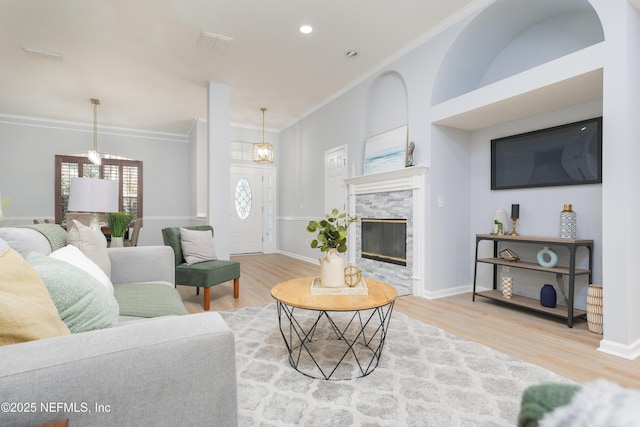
(398, 180)
(411, 178)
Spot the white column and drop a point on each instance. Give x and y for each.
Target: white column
(621, 180)
(219, 126)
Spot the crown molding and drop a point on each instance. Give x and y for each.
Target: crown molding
(88, 128)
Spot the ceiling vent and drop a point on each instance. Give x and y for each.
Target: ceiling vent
(43, 53)
(210, 40)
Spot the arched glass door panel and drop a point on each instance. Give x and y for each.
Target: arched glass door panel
(243, 198)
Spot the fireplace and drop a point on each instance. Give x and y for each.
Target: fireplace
(384, 240)
(395, 194)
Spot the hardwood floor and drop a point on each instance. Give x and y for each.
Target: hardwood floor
(541, 340)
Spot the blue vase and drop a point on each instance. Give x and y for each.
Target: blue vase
(547, 257)
(548, 296)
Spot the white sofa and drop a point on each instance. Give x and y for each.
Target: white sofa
(162, 371)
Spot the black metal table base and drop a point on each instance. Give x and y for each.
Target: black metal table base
(334, 345)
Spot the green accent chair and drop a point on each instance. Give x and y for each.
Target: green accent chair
(203, 274)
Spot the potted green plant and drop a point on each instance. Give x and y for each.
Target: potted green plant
(331, 237)
(118, 224)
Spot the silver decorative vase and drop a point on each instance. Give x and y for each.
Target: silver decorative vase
(568, 223)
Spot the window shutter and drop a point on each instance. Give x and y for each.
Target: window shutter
(128, 174)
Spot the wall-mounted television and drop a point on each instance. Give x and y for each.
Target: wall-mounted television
(569, 154)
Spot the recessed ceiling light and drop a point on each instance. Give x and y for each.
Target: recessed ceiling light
(351, 53)
(306, 29)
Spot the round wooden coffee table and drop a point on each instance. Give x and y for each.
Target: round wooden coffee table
(333, 337)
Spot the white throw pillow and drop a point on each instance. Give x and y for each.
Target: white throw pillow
(74, 256)
(197, 246)
(92, 243)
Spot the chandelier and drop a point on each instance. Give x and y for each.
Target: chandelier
(263, 151)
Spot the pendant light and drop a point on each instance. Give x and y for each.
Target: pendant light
(93, 155)
(263, 151)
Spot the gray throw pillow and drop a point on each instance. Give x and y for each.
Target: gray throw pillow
(197, 246)
(92, 243)
(83, 303)
(25, 240)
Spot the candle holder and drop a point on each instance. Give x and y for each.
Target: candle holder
(515, 223)
(507, 287)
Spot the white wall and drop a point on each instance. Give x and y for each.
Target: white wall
(539, 207)
(343, 121)
(301, 166)
(174, 168)
(449, 228)
(28, 147)
(447, 67)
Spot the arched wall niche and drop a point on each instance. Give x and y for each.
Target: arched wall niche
(509, 37)
(387, 103)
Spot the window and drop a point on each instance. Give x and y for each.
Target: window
(128, 174)
(243, 198)
(241, 151)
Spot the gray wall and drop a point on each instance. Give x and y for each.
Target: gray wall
(28, 147)
(458, 159)
(508, 54)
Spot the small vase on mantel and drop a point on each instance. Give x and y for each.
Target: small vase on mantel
(568, 223)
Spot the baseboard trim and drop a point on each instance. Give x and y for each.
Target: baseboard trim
(631, 351)
(443, 293)
(300, 257)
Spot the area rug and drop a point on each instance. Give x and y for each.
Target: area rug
(425, 377)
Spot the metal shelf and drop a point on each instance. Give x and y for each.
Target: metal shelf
(571, 245)
(531, 304)
(533, 266)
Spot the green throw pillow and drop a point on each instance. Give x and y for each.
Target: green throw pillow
(83, 303)
(148, 300)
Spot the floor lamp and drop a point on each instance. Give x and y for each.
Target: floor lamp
(94, 196)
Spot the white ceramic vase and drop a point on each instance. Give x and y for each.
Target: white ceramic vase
(500, 215)
(332, 270)
(117, 242)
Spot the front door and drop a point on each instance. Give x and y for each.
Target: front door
(246, 210)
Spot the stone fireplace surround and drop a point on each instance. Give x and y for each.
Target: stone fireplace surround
(394, 194)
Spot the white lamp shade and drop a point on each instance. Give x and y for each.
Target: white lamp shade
(93, 195)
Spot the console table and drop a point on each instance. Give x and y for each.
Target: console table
(529, 303)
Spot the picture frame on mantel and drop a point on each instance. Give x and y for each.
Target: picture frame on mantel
(385, 151)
